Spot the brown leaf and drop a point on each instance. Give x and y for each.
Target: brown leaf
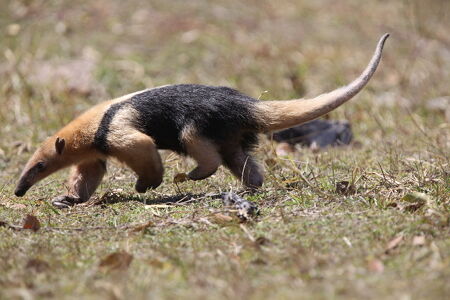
(393, 243)
(37, 265)
(418, 240)
(221, 218)
(31, 222)
(413, 207)
(392, 204)
(284, 149)
(270, 162)
(157, 263)
(142, 227)
(375, 265)
(180, 177)
(262, 241)
(116, 261)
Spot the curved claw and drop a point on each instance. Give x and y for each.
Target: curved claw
(65, 201)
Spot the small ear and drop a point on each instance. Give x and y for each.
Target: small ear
(59, 145)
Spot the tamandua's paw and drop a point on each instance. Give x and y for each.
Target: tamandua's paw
(143, 185)
(65, 201)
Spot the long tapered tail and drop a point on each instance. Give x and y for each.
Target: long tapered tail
(282, 114)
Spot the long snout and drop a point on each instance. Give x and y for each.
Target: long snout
(22, 188)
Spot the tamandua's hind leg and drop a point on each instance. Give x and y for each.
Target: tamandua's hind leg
(243, 166)
(139, 152)
(83, 181)
(206, 155)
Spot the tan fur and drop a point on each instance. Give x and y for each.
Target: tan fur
(203, 151)
(141, 155)
(276, 115)
(137, 150)
(188, 134)
(85, 178)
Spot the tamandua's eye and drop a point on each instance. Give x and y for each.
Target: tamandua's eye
(40, 166)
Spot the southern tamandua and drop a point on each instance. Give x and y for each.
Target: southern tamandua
(213, 125)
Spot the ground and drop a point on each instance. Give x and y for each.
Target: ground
(378, 239)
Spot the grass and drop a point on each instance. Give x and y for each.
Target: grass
(309, 241)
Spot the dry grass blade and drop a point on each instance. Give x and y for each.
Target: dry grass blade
(221, 218)
(394, 243)
(180, 177)
(37, 265)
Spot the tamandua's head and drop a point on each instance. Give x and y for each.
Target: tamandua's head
(48, 159)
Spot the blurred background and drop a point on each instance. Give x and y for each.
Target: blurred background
(60, 57)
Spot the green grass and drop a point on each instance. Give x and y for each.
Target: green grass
(61, 57)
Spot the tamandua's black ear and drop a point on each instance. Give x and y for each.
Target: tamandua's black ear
(59, 145)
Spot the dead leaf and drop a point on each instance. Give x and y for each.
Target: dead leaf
(259, 261)
(142, 227)
(270, 162)
(116, 261)
(31, 222)
(37, 265)
(393, 205)
(180, 177)
(418, 240)
(375, 265)
(413, 207)
(284, 149)
(219, 218)
(393, 243)
(262, 241)
(158, 264)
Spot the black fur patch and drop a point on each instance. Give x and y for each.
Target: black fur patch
(217, 113)
(220, 114)
(100, 139)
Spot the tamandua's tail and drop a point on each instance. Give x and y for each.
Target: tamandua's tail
(280, 114)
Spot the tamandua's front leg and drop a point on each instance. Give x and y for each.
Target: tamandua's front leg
(140, 153)
(83, 181)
